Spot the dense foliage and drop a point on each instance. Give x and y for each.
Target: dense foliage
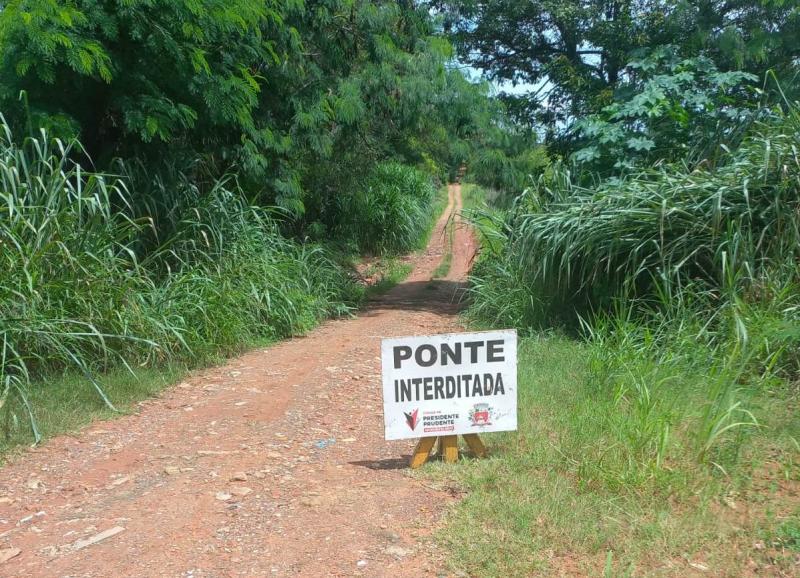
(668, 109)
(74, 294)
(574, 54)
(131, 76)
(302, 98)
(667, 227)
(717, 232)
(390, 211)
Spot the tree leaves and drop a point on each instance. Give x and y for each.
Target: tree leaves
(640, 143)
(574, 52)
(302, 98)
(666, 106)
(166, 64)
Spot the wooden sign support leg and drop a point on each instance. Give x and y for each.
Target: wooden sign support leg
(476, 445)
(421, 452)
(448, 448)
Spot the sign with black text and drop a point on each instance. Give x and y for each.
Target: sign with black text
(453, 384)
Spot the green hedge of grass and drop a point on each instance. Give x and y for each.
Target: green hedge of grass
(88, 282)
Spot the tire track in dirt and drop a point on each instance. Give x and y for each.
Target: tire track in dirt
(465, 244)
(271, 465)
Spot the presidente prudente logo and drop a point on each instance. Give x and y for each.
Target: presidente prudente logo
(412, 419)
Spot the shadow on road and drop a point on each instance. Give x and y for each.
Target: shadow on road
(436, 295)
(400, 463)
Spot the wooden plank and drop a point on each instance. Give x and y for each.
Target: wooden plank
(476, 445)
(421, 452)
(450, 449)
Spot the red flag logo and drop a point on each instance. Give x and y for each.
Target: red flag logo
(411, 419)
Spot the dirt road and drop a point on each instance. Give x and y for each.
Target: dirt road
(272, 465)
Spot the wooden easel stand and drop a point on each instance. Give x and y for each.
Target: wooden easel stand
(448, 446)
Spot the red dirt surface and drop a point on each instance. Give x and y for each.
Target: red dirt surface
(272, 465)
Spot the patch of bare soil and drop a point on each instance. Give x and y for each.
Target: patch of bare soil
(272, 465)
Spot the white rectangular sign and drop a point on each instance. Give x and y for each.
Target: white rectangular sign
(458, 383)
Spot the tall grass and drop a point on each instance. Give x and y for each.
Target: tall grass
(659, 378)
(604, 467)
(390, 212)
(90, 280)
(669, 231)
(685, 283)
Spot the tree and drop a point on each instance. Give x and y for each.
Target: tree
(667, 109)
(748, 35)
(301, 98)
(141, 76)
(574, 52)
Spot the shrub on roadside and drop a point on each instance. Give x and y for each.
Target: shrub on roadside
(86, 284)
(389, 212)
(685, 283)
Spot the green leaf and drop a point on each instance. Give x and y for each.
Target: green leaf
(640, 143)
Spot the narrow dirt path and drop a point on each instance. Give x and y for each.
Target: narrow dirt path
(272, 465)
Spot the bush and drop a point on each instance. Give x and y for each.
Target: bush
(685, 283)
(390, 212)
(88, 283)
(667, 231)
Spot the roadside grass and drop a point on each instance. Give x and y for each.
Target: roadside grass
(658, 392)
(63, 403)
(578, 490)
(389, 213)
(658, 373)
(474, 197)
(659, 448)
(104, 275)
(389, 272)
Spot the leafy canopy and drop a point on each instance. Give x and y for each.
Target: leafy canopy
(574, 53)
(302, 97)
(667, 108)
(123, 74)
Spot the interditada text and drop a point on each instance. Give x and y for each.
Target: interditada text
(448, 387)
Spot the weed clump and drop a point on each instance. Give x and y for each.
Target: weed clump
(89, 283)
(389, 212)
